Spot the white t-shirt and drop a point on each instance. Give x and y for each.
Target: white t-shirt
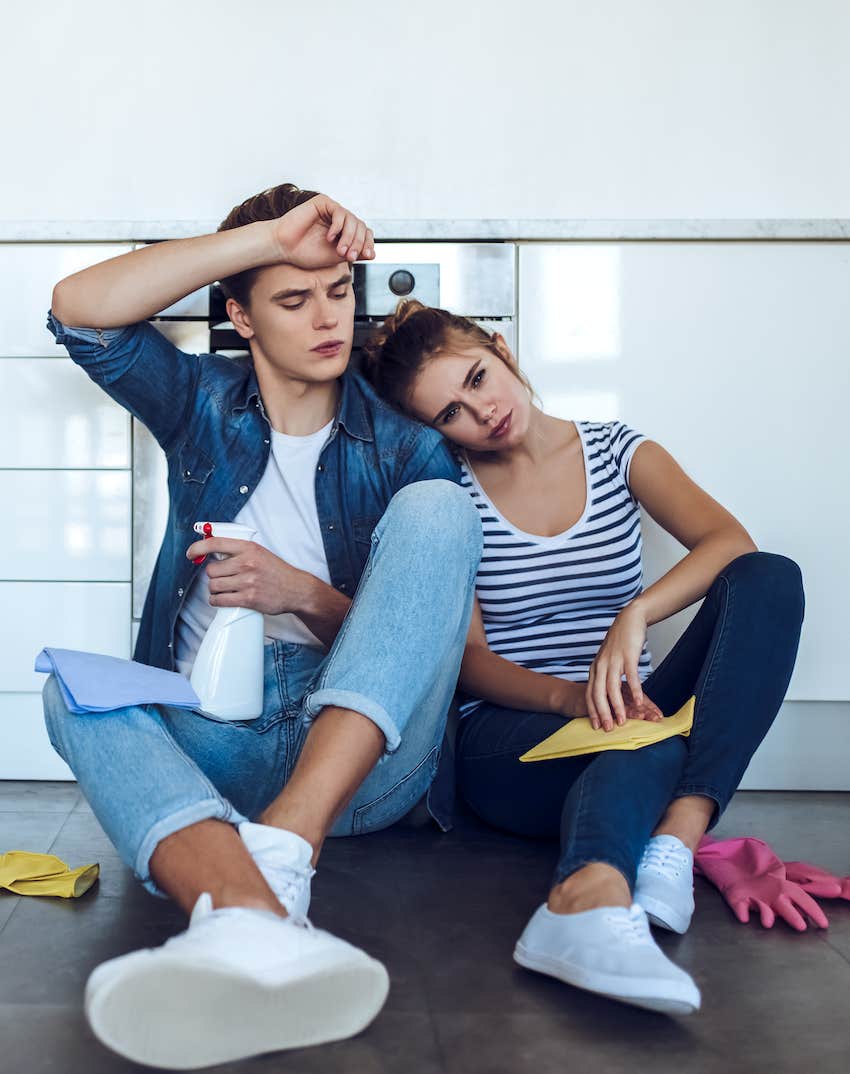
(283, 512)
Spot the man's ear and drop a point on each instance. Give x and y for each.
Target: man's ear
(239, 319)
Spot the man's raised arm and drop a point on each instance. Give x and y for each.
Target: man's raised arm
(135, 286)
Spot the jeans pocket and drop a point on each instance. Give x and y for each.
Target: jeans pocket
(397, 800)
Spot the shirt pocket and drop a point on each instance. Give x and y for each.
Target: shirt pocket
(194, 467)
(362, 527)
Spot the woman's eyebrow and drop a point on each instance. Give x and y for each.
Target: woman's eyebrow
(469, 377)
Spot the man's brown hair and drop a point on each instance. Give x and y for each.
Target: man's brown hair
(267, 205)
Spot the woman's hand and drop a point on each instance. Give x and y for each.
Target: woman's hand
(568, 698)
(251, 577)
(320, 233)
(608, 697)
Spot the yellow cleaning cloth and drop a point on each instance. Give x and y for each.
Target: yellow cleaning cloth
(26, 873)
(578, 736)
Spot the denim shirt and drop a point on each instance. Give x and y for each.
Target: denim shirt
(207, 415)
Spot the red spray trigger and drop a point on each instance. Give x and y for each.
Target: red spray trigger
(207, 533)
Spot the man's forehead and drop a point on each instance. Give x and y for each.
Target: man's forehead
(285, 277)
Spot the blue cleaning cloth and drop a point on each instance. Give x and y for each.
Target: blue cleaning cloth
(91, 682)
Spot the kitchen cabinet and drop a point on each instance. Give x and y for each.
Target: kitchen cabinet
(69, 525)
(93, 616)
(734, 357)
(53, 416)
(28, 273)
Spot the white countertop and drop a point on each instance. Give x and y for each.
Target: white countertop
(455, 230)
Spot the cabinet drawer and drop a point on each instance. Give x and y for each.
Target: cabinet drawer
(52, 415)
(28, 273)
(27, 753)
(65, 525)
(93, 616)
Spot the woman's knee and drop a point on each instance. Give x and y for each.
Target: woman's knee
(769, 573)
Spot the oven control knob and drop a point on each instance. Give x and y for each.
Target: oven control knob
(402, 282)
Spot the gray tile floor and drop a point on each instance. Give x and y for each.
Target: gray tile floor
(443, 911)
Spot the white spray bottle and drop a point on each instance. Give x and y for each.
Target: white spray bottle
(227, 674)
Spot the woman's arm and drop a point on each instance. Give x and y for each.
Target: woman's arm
(714, 538)
(135, 286)
(491, 677)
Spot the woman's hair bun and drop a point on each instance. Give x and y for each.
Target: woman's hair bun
(375, 344)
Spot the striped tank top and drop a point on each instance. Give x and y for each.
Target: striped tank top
(547, 602)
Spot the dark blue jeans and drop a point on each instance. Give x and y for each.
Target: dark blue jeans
(736, 657)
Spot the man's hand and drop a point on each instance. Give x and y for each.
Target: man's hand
(251, 577)
(320, 233)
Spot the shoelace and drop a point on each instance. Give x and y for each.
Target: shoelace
(633, 929)
(664, 860)
(287, 881)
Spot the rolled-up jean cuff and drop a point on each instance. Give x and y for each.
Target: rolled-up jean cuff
(572, 865)
(687, 790)
(206, 809)
(349, 699)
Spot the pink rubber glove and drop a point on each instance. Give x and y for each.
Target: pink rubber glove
(817, 881)
(751, 877)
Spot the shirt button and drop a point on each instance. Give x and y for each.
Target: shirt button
(343, 587)
(330, 526)
(265, 441)
(243, 489)
(187, 473)
(179, 592)
(320, 468)
(170, 646)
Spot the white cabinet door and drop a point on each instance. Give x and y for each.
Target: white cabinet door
(65, 525)
(28, 273)
(734, 357)
(52, 415)
(26, 752)
(92, 616)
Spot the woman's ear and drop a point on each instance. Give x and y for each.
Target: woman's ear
(239, 319)
(503, 350)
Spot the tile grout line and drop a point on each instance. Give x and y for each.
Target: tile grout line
(52, 844)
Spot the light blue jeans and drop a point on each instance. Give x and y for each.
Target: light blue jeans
(148, 771)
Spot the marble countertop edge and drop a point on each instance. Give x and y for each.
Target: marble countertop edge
(456, 230)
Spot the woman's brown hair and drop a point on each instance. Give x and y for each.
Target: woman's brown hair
(399, 350)
(267, 205)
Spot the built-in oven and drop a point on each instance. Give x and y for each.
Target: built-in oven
(476, 280)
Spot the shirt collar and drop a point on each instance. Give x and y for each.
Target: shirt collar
(352, 414)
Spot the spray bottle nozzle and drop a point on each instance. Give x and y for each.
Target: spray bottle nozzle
(206, 528)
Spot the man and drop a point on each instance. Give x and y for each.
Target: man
(364, 569)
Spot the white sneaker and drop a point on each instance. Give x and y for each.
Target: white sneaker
(236, 983)
(284, 860)
(610, 951)
(665, 883)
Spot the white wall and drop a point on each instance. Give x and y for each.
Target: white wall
(542, 109)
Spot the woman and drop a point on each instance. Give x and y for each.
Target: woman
(559, 631)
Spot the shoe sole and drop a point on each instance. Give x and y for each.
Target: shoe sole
(180, 1017)
(667, 998)
(663, 915)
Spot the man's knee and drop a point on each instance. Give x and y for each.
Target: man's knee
(55, 710)
(438, 510)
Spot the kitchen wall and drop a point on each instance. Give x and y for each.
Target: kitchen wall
(615, 109)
